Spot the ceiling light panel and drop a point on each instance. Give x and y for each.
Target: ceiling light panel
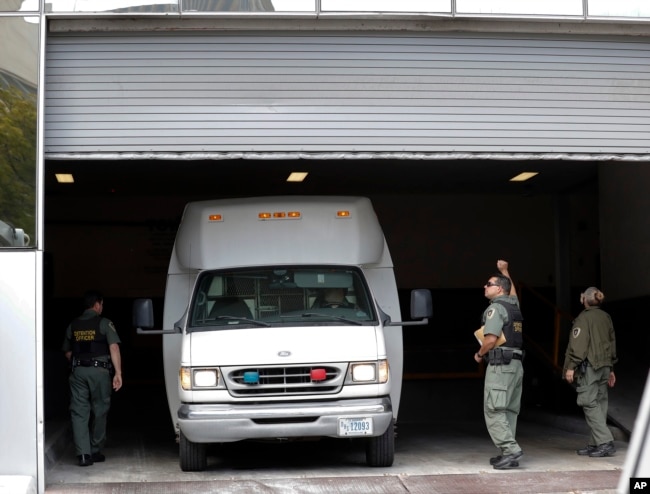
(64, 178)
(522, 177)
(297, 176)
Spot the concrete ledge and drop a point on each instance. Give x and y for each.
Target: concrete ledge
(17, 484)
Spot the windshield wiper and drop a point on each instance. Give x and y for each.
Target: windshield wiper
(326, 316)
(244, 319)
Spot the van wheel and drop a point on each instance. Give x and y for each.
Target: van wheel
(193, 456)
(380, 450)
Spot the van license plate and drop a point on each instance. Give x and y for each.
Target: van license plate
(355, 427)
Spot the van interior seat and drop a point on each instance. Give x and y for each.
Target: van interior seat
(230, 306)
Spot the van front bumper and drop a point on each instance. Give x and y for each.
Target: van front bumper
(214, 423)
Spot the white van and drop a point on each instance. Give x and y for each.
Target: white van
(254, 344)
(12, 237)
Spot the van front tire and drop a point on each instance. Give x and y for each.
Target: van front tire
(380, 450)
(193, 456)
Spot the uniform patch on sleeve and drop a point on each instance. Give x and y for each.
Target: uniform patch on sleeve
(112, 326)
(489, 314)
(576, 332)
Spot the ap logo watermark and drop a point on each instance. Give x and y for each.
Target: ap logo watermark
(639, 484)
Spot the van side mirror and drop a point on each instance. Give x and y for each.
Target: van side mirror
(421, 309)
(143, 318)
(421, 305)
(143, 313)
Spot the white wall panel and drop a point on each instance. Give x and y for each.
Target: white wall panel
(20, 379)
(423, 93)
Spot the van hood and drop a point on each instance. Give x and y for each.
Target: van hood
(278, 346)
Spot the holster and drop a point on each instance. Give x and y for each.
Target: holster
(582, 368)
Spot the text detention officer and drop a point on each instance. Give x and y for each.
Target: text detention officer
(504, 374)
(91, 345)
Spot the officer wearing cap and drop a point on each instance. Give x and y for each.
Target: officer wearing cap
(91, 345)
(504, 373)
(589, 360)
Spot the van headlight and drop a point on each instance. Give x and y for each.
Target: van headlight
(199, 378)
(369, 372)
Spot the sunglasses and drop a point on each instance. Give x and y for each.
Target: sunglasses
(489, 283)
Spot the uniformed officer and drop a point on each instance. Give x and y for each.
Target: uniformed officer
(91, 345)
(504, 373)
(589, 360)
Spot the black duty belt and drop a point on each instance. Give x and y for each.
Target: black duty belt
(92, 363)
(500, 356)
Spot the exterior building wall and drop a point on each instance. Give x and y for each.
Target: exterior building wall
(21, 408)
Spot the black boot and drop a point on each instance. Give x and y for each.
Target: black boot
(605, 449)
(508, 461)
(85, 460)
(586, 451)
(98, 457)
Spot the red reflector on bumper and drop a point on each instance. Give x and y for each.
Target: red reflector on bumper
(318, 374)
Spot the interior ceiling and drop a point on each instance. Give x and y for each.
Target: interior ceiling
(229, 178)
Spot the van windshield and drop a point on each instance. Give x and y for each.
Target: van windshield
(281, 296)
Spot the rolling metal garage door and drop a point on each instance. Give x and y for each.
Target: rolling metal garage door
(346, 93)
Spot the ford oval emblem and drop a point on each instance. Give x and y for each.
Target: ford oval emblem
(284, 353)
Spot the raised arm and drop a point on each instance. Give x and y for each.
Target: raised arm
(502, 266)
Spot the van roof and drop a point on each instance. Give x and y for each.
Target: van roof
(230, 232)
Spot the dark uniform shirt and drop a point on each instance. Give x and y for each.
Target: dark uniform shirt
(592, 338)
(106, 328)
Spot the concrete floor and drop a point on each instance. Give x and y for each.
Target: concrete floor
(442, 446)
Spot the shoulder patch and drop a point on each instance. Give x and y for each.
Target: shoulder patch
(575, 332)
(112, 326)
(489, 314)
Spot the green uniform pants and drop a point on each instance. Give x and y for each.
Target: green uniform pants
(501, 404)
(90, 400)
(592, 397)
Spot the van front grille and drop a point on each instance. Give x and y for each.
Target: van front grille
(298, 380)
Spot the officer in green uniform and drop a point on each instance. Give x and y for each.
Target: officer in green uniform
(589, 360)
(504, 373)
(91, 345)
